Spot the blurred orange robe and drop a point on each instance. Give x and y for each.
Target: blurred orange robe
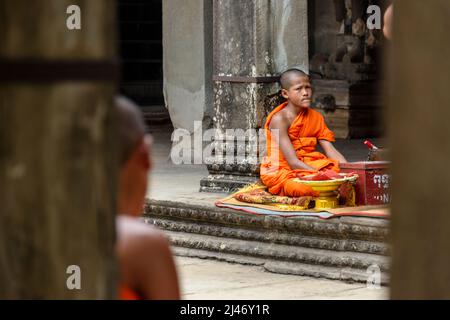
(304, 133)
(125, 293)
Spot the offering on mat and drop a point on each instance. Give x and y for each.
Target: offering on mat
(327, 183)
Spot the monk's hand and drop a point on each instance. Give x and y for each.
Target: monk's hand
(302, 175)
(309, 168)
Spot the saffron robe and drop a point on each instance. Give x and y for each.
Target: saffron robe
(125, 293)
(304, 132)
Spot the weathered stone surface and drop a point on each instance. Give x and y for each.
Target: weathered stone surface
(272, 236)
(277, 251)
(240, 105)
(219, 256)
(333, 273)
(341, 248)
(351, 110)
(57, 155)
(338, 228)
(275, 38)
(225, 182)
(243, 168)
(281, 258)
(283, 267)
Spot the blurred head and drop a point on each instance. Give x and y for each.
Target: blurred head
(134, 155)
(388, 21)
(296, 88)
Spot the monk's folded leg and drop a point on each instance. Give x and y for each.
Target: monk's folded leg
(292, 188)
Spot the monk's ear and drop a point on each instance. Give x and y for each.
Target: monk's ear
(144, 153)
(284, 93)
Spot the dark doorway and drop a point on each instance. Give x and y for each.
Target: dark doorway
(140, 48)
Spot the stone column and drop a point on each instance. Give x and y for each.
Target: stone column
(420, 146)
(187, 63)
(57, 157)
(253, 42)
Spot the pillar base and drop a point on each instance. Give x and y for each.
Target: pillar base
(225, 183)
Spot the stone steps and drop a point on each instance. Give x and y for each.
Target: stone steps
(272, 236)
(342, 248)
(283, 267)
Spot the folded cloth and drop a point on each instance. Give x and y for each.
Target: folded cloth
(259, 194)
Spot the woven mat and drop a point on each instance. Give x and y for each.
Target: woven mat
(287, 210)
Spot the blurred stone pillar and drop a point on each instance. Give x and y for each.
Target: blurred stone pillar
(420, 145)
(253, 42)
(57, 150)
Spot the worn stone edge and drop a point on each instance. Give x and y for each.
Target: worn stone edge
(270, 236)
(278, 252)
(337, 228)
(283, 267)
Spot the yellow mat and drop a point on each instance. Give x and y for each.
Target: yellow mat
(289, 210)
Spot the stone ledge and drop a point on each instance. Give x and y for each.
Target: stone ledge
(341, 248)
(366, 229)
(271, 236)
(313, 263)
(343, 274)
(219, 183)
(283, 267)
(278, 251)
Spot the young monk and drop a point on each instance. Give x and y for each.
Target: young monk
(293, 131)
(146, 262)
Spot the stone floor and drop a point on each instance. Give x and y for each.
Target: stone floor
(214, 280)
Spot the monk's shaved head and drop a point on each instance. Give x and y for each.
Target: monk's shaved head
(131, 127)
(287, 76)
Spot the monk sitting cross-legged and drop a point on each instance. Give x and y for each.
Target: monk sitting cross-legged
(293, 131)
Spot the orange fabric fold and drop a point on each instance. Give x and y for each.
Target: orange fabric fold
(305, 131)
(126, 293)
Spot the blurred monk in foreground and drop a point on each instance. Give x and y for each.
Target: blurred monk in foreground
(146, 262)
(388, 22)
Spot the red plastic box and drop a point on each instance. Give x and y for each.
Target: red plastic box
(372, 186)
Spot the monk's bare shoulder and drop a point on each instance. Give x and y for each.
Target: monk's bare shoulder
(139, 248)
(279, 121)
(134, 236)
(129, 225)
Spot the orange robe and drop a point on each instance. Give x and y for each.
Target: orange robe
(304, 133)
(125, 293)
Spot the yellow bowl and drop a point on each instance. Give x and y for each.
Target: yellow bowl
(328, 195)
(327, 185)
